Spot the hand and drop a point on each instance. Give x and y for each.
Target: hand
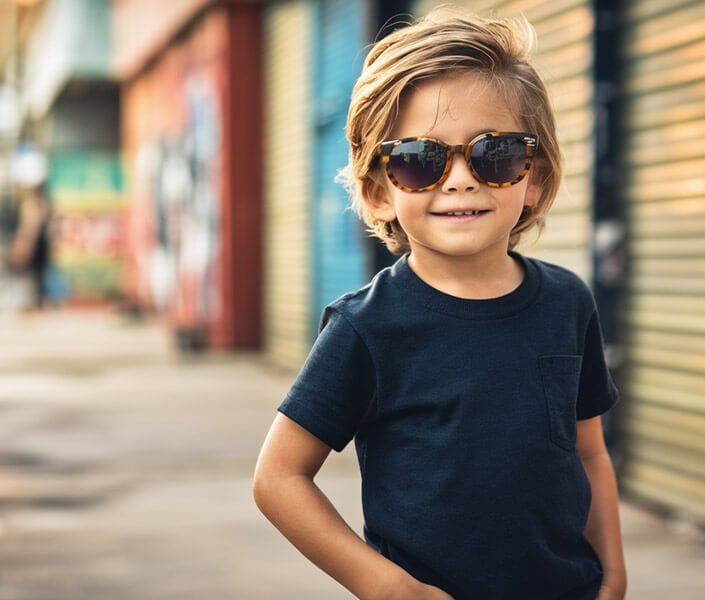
(433, 593)
(609, 593)
(423, 591)
(399, 584)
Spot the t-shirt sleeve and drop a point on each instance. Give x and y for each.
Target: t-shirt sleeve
(597, 390)
(335, 387)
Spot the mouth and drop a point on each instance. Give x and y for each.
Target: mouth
(460, 213)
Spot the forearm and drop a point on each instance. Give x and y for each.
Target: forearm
(603, 528)
(305, 516)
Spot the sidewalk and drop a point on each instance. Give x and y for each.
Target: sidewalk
(125, 474)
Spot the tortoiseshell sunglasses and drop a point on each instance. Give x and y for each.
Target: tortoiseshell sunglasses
(498, 159)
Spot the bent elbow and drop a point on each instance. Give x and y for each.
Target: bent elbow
(266, 489)
(260, 489)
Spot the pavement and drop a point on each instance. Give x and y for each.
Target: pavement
(126, 466)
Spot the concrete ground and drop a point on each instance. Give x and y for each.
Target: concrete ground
(125, 473)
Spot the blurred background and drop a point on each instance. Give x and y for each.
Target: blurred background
(167, 202)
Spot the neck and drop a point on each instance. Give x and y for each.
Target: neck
(474, 277)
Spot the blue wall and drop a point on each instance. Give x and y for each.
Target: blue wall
(339, 246)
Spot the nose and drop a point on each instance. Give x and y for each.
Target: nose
(460, 177)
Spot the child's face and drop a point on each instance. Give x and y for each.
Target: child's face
(456, 110)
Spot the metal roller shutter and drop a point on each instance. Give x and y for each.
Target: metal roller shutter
(664, 386)
(287, 186)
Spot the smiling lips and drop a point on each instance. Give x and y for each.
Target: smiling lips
(459, 213)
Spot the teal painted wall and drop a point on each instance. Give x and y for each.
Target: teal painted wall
(339, 253)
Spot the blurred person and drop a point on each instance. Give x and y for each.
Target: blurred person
(472, 378)
(30, 249)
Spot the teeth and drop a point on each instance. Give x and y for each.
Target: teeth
(462, 213)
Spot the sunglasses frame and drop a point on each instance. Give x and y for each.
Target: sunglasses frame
(531, 142)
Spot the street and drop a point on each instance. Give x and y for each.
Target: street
(125, 473)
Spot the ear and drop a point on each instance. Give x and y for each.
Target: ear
(532, 195)
(380, 203)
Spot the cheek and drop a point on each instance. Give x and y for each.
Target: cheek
(409, 206)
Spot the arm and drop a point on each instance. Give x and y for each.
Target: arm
(285, 492)
(603, 529)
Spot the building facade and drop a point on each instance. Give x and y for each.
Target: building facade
(71, 105)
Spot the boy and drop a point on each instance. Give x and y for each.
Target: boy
(471, 378)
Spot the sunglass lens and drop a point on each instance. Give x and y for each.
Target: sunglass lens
(499, 159)
(417, 164)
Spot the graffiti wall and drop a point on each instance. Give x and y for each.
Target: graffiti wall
(173, 132)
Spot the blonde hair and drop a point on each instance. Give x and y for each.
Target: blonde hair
(445, 43)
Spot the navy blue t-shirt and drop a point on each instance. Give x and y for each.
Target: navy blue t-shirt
(464, 419)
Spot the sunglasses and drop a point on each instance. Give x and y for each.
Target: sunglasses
(498, 159)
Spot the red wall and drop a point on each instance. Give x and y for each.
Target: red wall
(245, 166)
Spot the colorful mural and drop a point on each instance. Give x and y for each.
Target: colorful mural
(178, 172)
(87, 229)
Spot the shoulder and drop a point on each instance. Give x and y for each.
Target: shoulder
(562, 292)
(558, 279)
(373, 302)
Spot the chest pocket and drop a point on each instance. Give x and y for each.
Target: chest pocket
(561, 381)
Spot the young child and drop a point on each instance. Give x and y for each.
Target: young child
(471, 377)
